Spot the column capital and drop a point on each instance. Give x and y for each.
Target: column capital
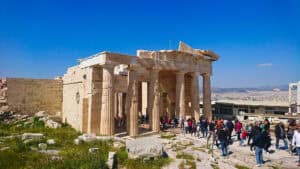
(180, 72)
(205, 74)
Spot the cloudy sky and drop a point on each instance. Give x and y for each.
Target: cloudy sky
(258, 41)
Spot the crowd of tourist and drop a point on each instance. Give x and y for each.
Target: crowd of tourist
(256, 135)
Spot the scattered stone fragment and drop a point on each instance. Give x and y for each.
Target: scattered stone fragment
(35, 136)
(50, 141)
(87, 137)
(93, 150)
(42, 146)
(52, 124)
(40, 114)
(110, 161)
(104, 138)
(4, 148)
(144, 148)
(77, 141)
(118, 144)
(50, 152)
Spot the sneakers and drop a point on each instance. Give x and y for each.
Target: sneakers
(258, 165)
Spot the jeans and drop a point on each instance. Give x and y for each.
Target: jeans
(298, 153)
(238, 135)
(284, 141)
(241, 142)
(259, 155)
(204, 132)
(224, 148)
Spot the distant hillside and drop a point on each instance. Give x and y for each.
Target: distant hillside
(242, 90)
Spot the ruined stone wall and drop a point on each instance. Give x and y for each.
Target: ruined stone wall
(33, 95)
(76, 83)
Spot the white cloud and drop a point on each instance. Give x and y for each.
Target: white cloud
(265, 65)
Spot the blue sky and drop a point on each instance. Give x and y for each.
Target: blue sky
(258, 41)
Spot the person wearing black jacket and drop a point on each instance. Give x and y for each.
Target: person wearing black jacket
(229, 126)
(280, 135)
(223, 138)
(260, 142)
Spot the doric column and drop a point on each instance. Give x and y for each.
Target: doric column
(153, 101)
(131, 106)
(207, 96)
(107, 110)
(180, 95)
(133, 127)
(120, 105)
(195, 95)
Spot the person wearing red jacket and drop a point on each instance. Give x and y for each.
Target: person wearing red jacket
(238, 129)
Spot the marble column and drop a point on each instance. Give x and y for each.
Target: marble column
(107, 111)
(154, 101)
(120, 105)
(195, 95)
(180, 95)
(133, 127)
(207, 96)
(132, 103)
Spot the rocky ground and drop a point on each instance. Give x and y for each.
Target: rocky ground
(42, 142)
(197, 155)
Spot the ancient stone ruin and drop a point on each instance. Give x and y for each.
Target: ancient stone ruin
(108, 87)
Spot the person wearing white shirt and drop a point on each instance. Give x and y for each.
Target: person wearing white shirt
(296, 142)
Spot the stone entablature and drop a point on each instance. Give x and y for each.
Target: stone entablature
(108, 86)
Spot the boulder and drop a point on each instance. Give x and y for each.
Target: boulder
(35, 136)
(110, 160)
(50, 141)
(146, 147)
(42, 146)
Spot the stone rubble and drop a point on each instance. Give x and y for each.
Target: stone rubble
(110, 162)
(147, 147)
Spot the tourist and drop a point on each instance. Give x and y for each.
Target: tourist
(243, 137)
(267, 125)
(190, 125)
(194, 127)
(296, 142)
(222, 135)
(181, 121)
(280, 135)
(186, 126)
(250, 132)
(203, 127)
(238, 128)
(229, 126)
(211, 128)
(260, 142)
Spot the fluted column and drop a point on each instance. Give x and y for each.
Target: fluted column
(107, 111)
(133, 127)
(180, 95)
(129, 96)
(195, 96)
(207, 96)
(120, 105)
(154, 101)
